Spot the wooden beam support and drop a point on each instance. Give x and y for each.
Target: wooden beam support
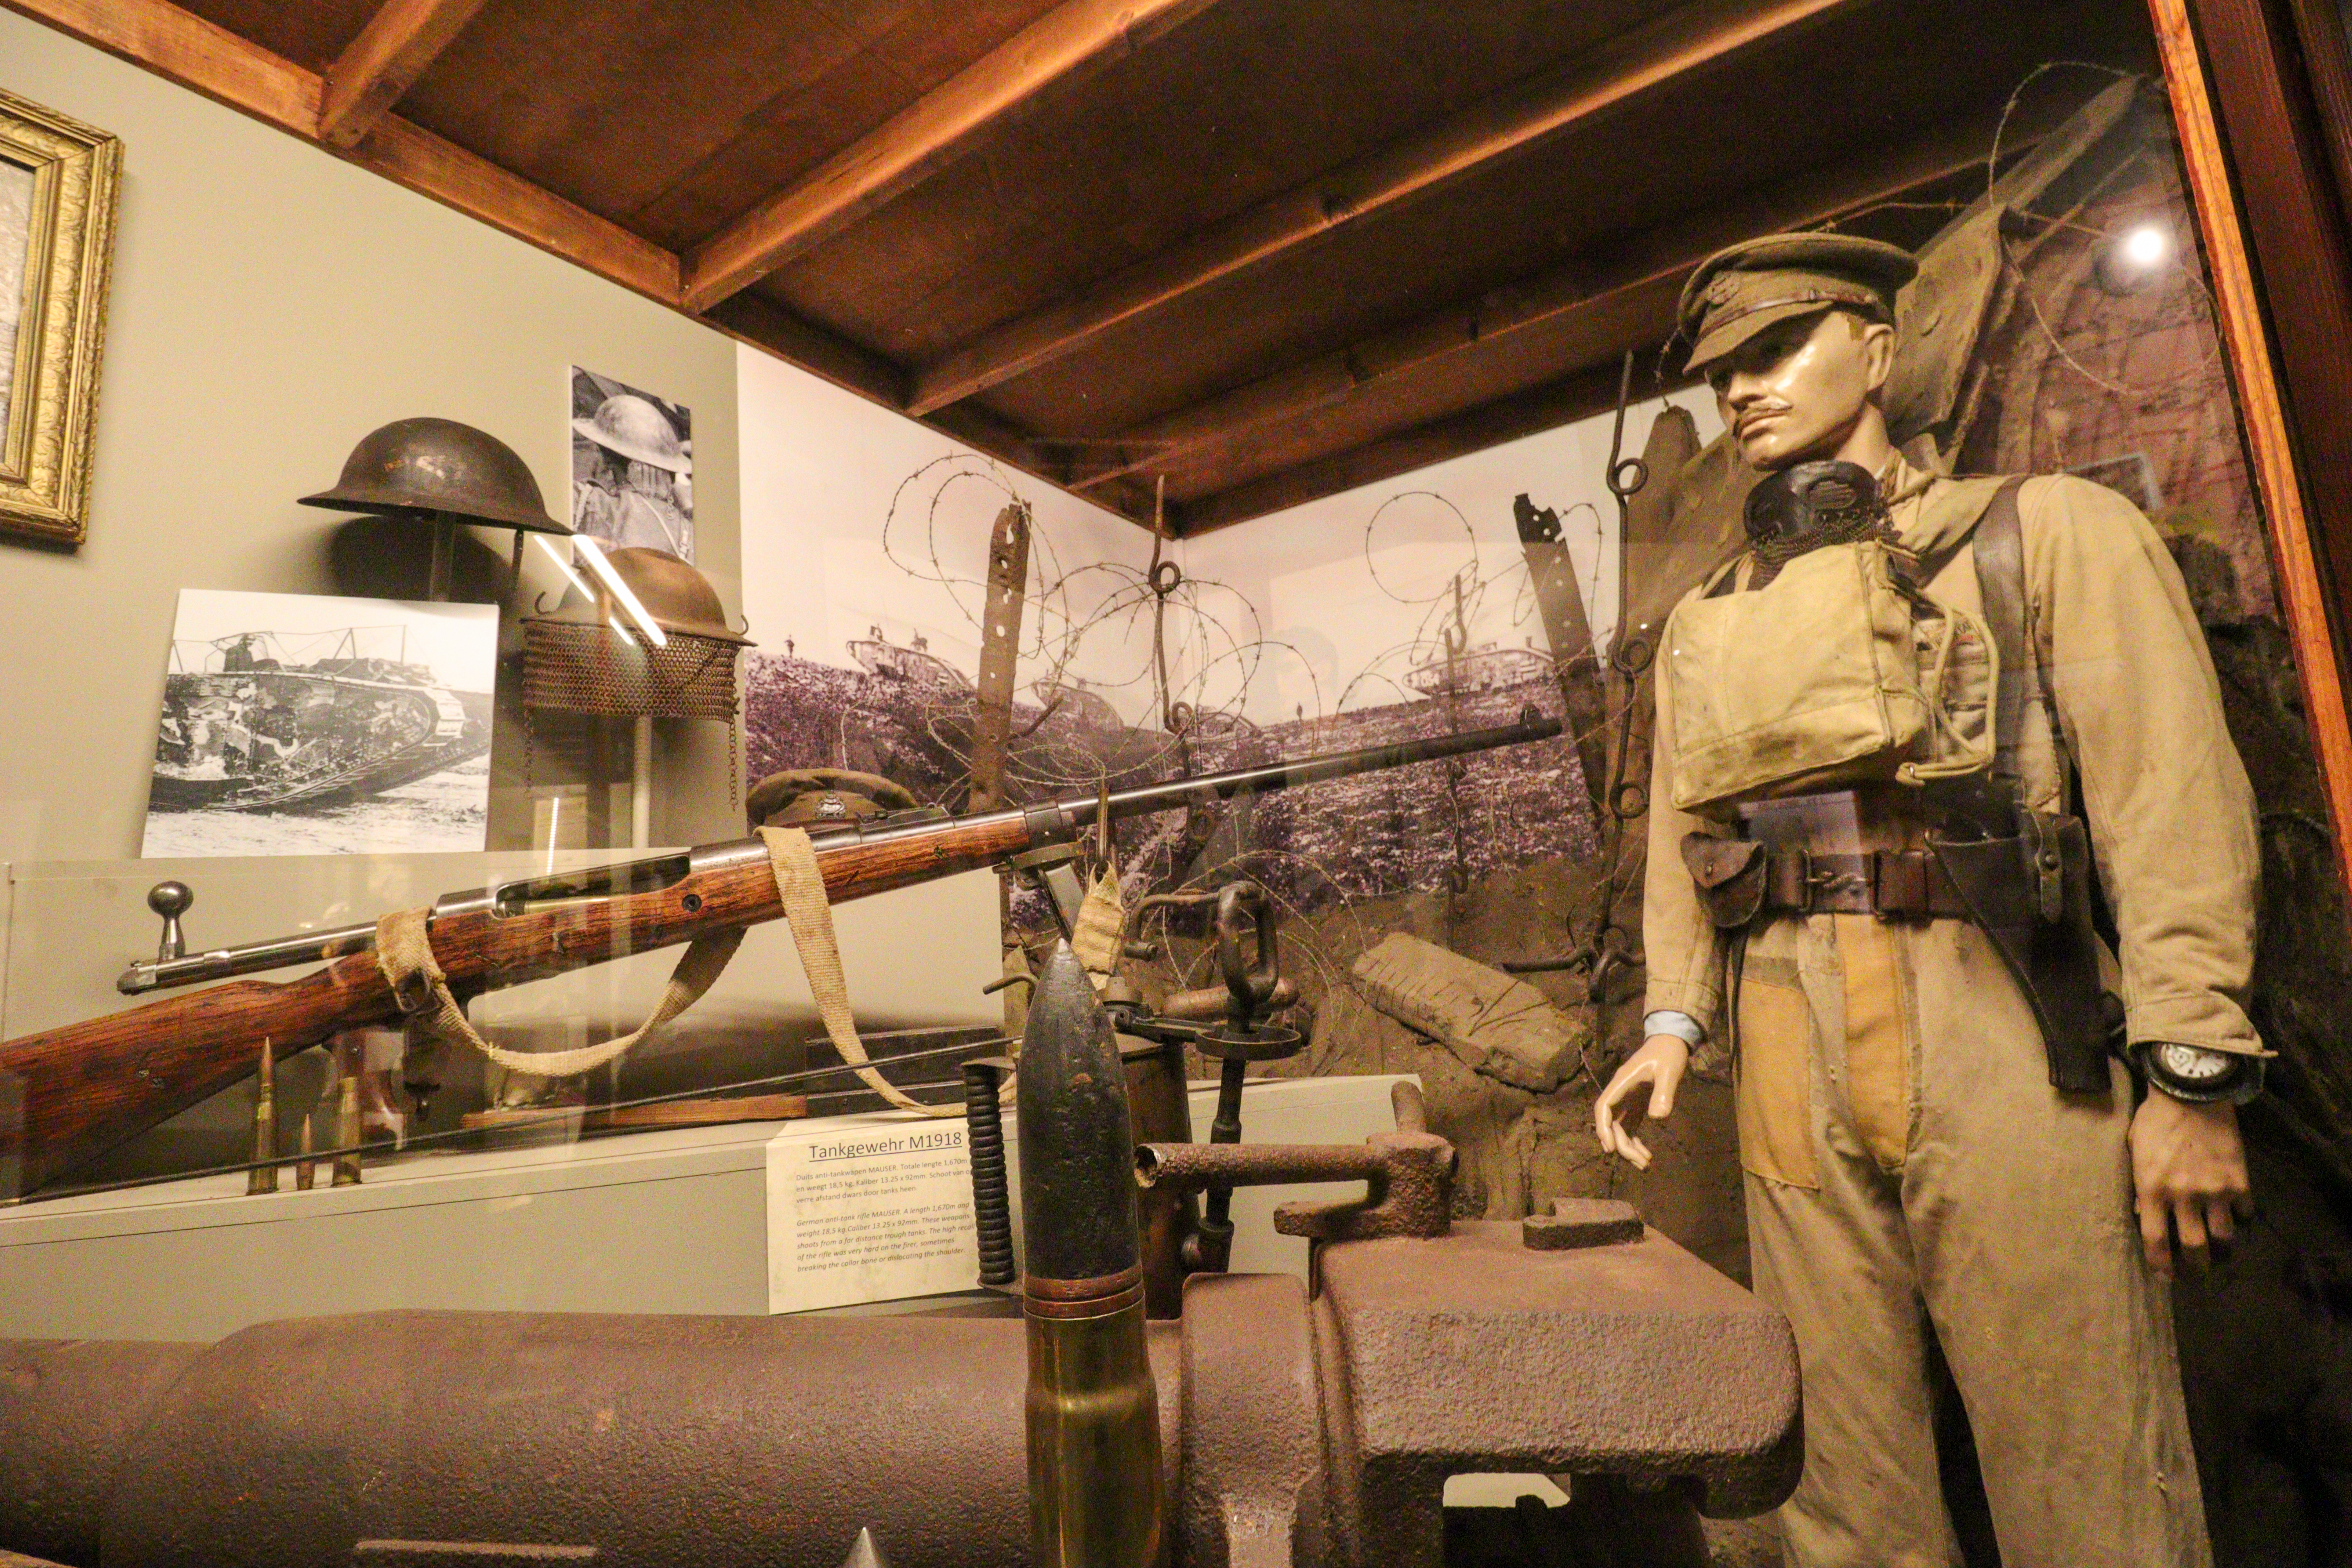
(991, 433)
(1636, 266)
(184, 48)
(384, 62)
(1575, 396)
(413, 156)
(181, 47)
(924, 137)
(1692, 38)
(756, 320)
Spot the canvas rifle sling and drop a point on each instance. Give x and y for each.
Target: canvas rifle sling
(403, 954)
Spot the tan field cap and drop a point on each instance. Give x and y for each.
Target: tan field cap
(1738, 292)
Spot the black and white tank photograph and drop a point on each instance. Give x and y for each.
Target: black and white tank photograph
(307, 724)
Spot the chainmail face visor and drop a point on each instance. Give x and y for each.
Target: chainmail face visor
(1807, 505)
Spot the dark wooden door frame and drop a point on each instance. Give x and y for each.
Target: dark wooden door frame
(2272, 219)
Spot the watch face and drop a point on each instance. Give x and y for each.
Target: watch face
(2192, 1064)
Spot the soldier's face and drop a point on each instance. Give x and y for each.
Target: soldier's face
(1797, 389)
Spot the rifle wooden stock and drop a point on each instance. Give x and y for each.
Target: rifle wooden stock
(70, 1094)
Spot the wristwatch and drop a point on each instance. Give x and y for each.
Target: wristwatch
(2197, 1075)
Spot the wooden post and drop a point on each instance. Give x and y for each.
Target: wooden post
(2270, 438)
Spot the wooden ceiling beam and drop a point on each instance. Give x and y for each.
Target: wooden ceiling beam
(1635, 266)
(1578, 395)
(933, 132)
(378, 68)
(756, 320)
(1692, 38)
(410, 155)
(181, 47)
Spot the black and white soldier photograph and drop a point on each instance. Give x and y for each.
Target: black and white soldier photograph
(631, 467)
(308, 724)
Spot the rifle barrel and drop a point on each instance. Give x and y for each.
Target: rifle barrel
(1144, 799)
(1078, 812)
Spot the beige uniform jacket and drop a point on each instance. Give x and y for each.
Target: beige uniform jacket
(2171, 814)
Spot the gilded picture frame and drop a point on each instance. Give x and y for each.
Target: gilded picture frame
(59, 180)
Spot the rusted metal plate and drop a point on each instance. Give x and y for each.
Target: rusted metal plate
(1637, 1361)
(67, 1408)
(1000, 648)
(1581, 1222)
(1251, 1467)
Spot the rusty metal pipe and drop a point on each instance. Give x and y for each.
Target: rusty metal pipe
(1196, 1166)
(68, 1411)
(666, 1442)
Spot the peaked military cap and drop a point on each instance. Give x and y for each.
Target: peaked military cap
(1738, 292)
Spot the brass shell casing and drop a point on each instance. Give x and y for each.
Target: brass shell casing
(1093, 1416)
(263, 1177)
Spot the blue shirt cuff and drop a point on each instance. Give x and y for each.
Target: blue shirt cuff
(1681, 1026)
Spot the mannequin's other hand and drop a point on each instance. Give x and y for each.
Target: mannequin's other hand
(2188, 1170)
(1660, 1063)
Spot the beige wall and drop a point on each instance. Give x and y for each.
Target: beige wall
(270, 306)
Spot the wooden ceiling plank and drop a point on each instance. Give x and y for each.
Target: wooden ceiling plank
(384, 62)
(994, 435)
(1575, 396)
(933, 132)
(178, 45)
(1638, 264)
(184, 48)
(756, 320)
(1698, 35)
(413, 156)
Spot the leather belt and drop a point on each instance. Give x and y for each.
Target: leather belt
(1902, 884)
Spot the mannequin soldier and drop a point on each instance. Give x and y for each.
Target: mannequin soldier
(1929, 1144)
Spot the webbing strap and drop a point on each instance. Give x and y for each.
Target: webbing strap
(801, 885)
(403, 955)
(1999, 557)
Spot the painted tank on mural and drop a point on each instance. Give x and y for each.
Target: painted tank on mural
(245, 727)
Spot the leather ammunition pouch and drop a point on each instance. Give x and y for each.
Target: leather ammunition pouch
(1730, 874)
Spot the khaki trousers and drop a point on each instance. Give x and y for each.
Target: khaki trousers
(1907, 1160)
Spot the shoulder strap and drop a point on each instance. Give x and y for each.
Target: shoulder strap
(1725, 578)
(1999, 561)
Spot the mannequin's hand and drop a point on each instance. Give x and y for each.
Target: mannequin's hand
(2188, 1169)
(1660, 1064)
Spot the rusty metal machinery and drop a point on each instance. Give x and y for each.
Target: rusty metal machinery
(1268, 1427)
(1314, 1432)
(1311, 1430)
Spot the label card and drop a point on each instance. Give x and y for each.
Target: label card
(877, 1211)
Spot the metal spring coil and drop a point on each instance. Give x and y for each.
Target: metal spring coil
(992, 1202)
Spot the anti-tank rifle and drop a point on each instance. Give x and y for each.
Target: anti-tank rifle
(70, 1094)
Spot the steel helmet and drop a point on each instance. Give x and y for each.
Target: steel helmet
(415, 467)
(680, 600)
(633, 426)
